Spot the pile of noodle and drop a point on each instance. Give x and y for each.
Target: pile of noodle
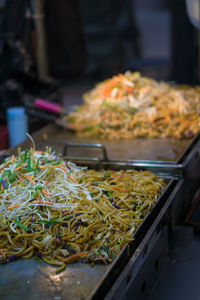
(130, 106)
(59, 213)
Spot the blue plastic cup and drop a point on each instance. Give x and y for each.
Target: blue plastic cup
(17, 125)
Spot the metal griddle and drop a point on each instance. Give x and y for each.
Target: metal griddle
(35, 280)
(175, 157)
(162, 150)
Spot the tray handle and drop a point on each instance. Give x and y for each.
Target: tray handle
(98, 146)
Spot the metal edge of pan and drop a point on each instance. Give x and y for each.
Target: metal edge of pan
(191, 145)
(122, 259)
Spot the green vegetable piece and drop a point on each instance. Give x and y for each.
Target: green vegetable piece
(132, 110)
(29, 165)
(5, 173)
(109, 105)
(109, 195)
(48, 222)
(100, 213)
(90, 128)
(37, 163)
(12, 177)
(58, 162)
(37, 258)
(107, 175)
(21, 225)
(68, 217)
(25, 155)
(122, 242)
(32, 162)
(39, 186)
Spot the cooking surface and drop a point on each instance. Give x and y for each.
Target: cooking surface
(137, 149)
(78, 281)
(169, 150)
(34, 280)
(38, 280)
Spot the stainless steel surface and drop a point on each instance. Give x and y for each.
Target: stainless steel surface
(80, 281)
(35, 280)
(165, 150)
(170, 157)
(136, 149)
(32, 280)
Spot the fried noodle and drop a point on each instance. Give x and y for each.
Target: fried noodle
(58, 212)
(130, 106)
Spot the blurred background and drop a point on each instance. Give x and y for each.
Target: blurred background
(57, 50)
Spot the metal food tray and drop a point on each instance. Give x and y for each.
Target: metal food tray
(148, 149)
(176, 157)
(35, 280)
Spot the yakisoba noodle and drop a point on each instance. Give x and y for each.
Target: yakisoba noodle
(60, 213)
(130, 106)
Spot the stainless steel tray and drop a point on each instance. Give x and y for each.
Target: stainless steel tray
(33, 280)
(161, 150)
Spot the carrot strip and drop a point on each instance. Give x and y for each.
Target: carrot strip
(45, 182)
(120, 177)
(70, 177)
(65, 170)
(29, 178)
(41, 202)
(21, 166)
(105, 92)
(65, 214)
(58, 166)
(120, 94)
(44, 192)
(3, 254)
(74, 257)
(119, 189)
(14, 206)
(128, 88)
